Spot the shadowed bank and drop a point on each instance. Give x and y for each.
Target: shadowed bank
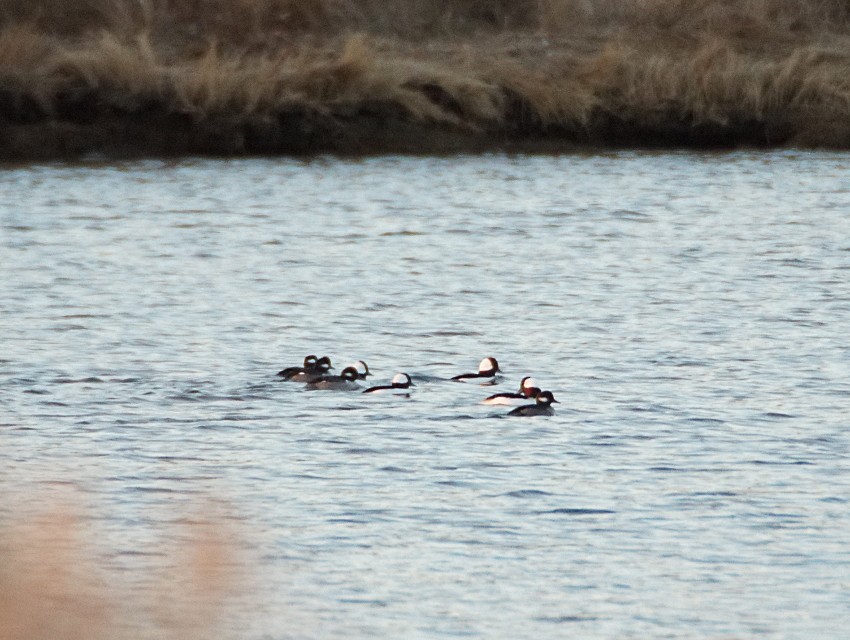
(129, 78)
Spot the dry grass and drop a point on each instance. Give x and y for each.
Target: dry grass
(54, 587)
(236, 76)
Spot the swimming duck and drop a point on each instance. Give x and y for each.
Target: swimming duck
(487, 370)
(313, 370)
(543, 406)
(400, 386)
(323, 367)
(310, 364)
(528, 390)
(345, 381)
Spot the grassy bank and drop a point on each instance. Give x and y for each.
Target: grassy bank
(162, 77)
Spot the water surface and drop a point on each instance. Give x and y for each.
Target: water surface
(690, 312)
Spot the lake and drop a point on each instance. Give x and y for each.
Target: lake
(689, 311)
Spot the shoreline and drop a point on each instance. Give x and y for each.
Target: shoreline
(297, 133)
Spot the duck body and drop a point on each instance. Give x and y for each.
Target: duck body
(512, 399)
(400, 386)
(345, 381)
(543, 406)
(310, 364)
(528, 390)
(487, 370)
(319, 369)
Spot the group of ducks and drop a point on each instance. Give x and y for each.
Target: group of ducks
(315, 373)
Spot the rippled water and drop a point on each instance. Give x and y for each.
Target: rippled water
(690, 312)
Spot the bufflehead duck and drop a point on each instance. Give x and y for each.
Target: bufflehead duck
(310, 364)
(543, 406)
(400, 386)
(345, 381)
(528, 390)
(321, 370)
(362, 370)
(487, 370)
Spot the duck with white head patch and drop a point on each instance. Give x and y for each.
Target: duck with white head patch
(362, 370)
(313, 368)
(345, 381)
(487, 370)
(319, 369)
(528, 390)
(543, 406)
(400, 386)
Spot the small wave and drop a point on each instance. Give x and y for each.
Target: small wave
(321, 440)
(167, 490)
(235, 418)
(787, 516)
(449, 333)
(630, 214)
(132, 553)
(70, 327)
(389, 234)
(75, 380)
(379, 306)
(190, 396)
(526, 493)
(565, 619)
(714, 494)
(490, 465)
(367, 601)
(566, 511)
(350, 521)
(451, 417)
(177, 459)
(81, 316)
(650, 408)
(454, 483)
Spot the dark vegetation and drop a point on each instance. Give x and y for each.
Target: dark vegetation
(230, 77)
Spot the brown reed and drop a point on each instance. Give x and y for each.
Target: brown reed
(54, 584)
(143, 77)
